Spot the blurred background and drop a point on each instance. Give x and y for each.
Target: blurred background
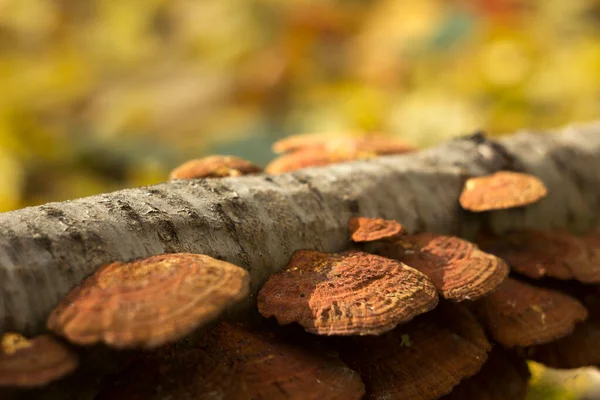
(97, 95)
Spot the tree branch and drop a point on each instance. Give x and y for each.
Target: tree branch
(257, 222)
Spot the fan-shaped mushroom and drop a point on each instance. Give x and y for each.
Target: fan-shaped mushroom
(148, 302)
(233, 362)
(35, 362)
(501, 190)
(556, 254)
(421, 360)
(351, 293)
(214, 167)
(504, 376)
(364, 229)
(519, 314)
(457, 268)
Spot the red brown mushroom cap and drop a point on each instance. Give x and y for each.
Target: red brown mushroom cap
(274, 366)
(504, 376)
(352, 293)
(521, 315)
(457, 268)
(501, 190)
(556, 254)
(421, 360)
(214, 167)
(35, 362)
(189, 373)
(148, 302)
(233, 362)
(579, 349)
(364, 229)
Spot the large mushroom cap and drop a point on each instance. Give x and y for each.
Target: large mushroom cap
(233, 362)
(309, 157)
(274, 366)
(35, 362)
(579, 349)
(504, 376)
(457, 268)
(148, 302)
(556, 254)
(214, 167)
(351, 293)
(519, 314)
(185, 374)
(421, 360)
(364, 229)
(501, 190)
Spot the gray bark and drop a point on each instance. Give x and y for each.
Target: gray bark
(257, 222)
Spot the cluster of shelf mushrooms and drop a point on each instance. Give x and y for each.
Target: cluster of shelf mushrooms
(397, 316)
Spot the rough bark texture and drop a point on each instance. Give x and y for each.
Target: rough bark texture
(257, 222)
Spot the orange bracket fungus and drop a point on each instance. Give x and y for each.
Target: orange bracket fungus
(35, 362)
(457, 268)
(214, 167)
(364, 229)
(504, 376)
(371, 144)
(351, 293)
(304, 151)
(519, 315)
(501, 190)
(148, 302)
(238, 363)
(556, 254)
(446, 346)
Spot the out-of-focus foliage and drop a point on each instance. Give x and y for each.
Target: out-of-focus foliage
(96, 95)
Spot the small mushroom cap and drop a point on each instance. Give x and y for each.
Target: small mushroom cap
(375, 144)
(457, 268)
(352, 293)
(148, 302)
(35, 362)
(519, 314)
(364, 229)
(579, 349)
(556, 254)
(276, 366)
(305, 158)
(501, 190)
(504, 376)
(214, 167)
(421, 360)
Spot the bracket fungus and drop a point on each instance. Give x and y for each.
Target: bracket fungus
(214, 167)
(364, 229)
(274, 366)
(446, 346)
(372, 144)
(35, 362)
(520, 315)
(304, 151)
(458, 269)
(148, 302)
(556, 254)
(504, 376)
(235, 362)
(501, 190)
(351, 293)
